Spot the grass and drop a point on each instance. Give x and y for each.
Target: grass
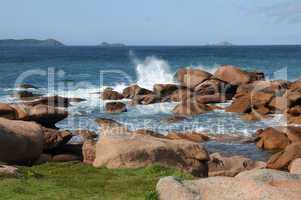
(76, 181)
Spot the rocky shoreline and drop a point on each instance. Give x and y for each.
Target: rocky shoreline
(28, 135)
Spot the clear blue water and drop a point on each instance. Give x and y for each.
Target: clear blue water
(78, 73)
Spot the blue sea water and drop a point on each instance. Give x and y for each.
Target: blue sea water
(80, 71)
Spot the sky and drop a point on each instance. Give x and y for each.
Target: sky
(153, 22)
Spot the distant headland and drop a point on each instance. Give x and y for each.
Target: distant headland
(30, 43)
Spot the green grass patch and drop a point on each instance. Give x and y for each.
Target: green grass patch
(76, 181)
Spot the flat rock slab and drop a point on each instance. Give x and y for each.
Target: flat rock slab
(250, 185)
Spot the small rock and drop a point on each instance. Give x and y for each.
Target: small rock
(115, 107)
(8, 171)
(109, 94)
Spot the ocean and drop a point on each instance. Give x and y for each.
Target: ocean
(82, 71)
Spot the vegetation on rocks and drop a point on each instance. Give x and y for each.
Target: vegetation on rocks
(77, 181)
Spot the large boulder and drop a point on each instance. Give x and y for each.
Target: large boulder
(134, 90)
(20, 142)
(190, 78)
(191, 107)
(8, 112)
(45, 115)
(281, 160)
(271, 139)
(110, 94)
(142, 150)
(231, 166)
(258, 184)
(233, 75)
(115, 107)
(216, 87)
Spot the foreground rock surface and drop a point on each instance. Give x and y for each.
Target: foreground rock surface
(140, 151)
(250, 185)
(231, 166)
(20, 142)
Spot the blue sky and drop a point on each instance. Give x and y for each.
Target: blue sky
(153, 22)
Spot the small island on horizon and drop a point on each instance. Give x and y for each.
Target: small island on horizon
(221, 44)
(30, 43)
(106, 44)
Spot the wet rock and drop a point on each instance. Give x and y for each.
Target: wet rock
(190, 78)
(232, 75)
(258, 184)
(110, 94)
(27, 86)
(231, 166)
(8, 112)
(174, 119)
(89, 151)
(134, 90)
(281, 160)
(7, 171)
(163, 90)
(271, 139)
(26, 95)
(190, 136)
(54, 139)
(54, 101)
(140, 151)
(115, 107)
(20, 142)
(146, 99)
(191, 108)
